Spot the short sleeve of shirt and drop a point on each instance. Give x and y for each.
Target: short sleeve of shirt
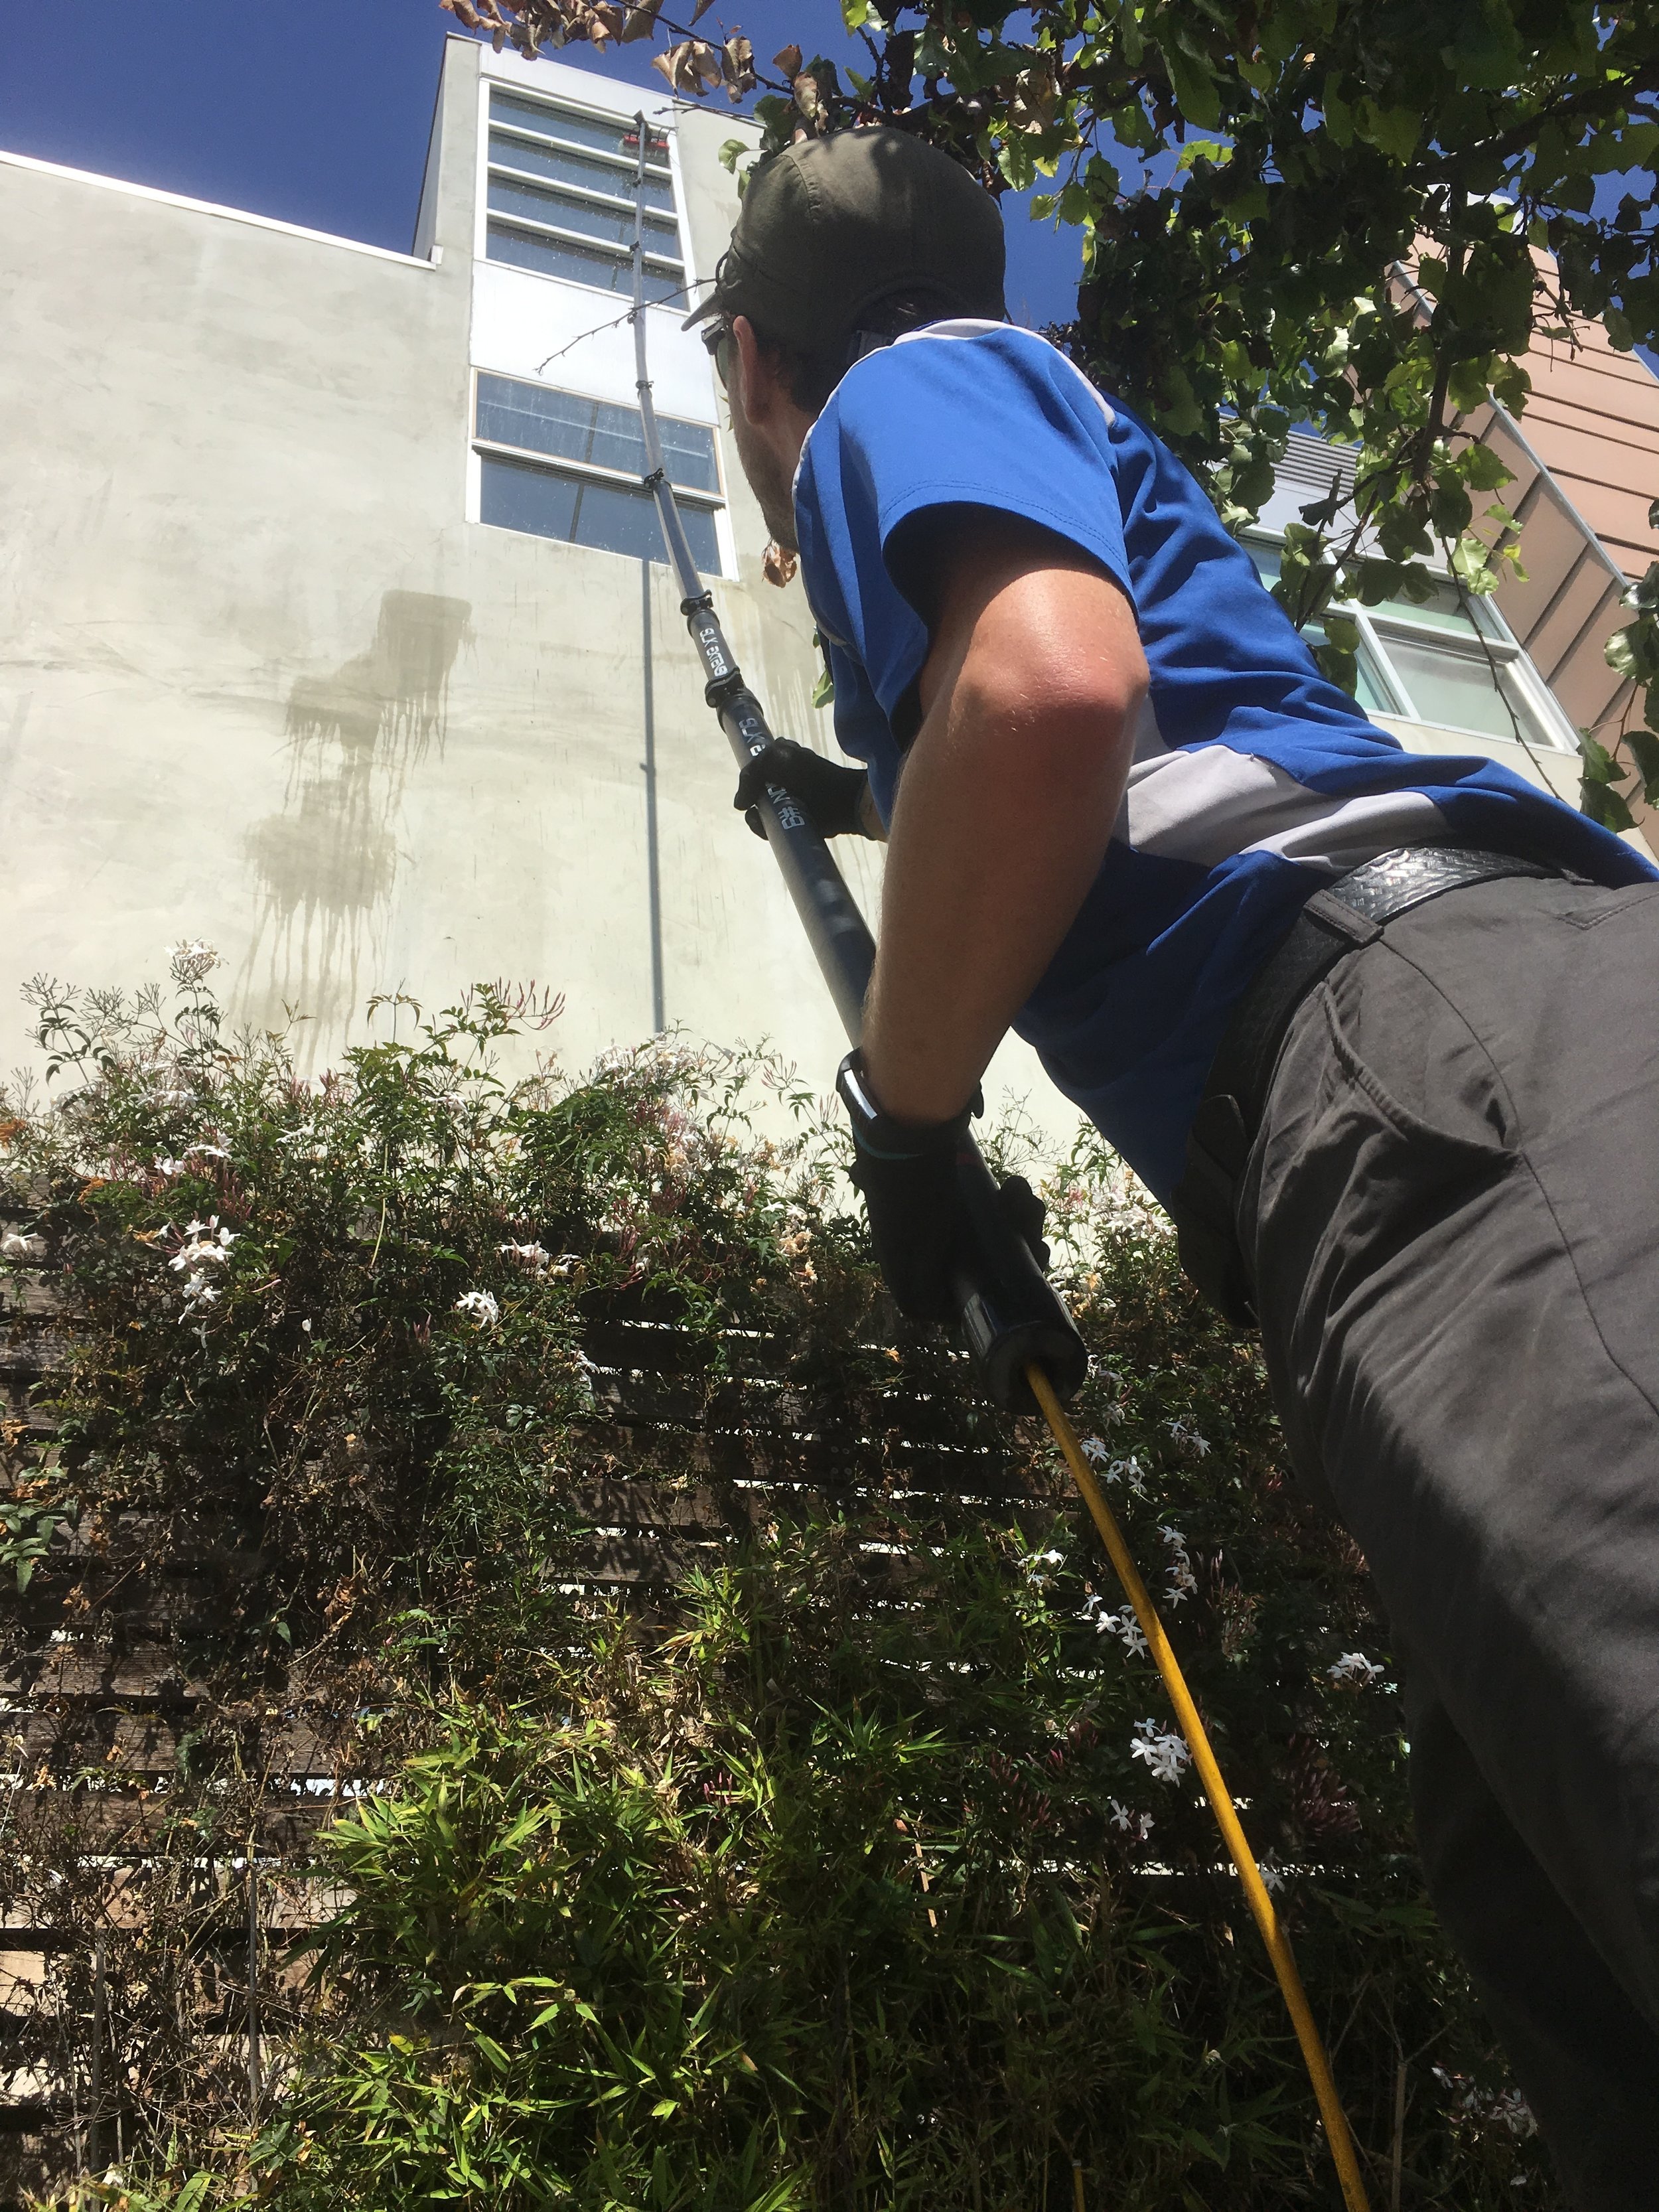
(990, 417)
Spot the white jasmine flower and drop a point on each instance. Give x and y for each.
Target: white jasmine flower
(1182, 1583)
(1140, 1826)
(1355, 1667)
(208, 1151)
(191, 961)
(1163, 1751)
(1095, 1450)
(535, 1257)
(165, 1166)
(1128, 1629)
(19, 1244)
(481, 1305)
(206, 1244)
(1272, 1874)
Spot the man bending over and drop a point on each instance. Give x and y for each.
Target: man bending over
(1376, 1026)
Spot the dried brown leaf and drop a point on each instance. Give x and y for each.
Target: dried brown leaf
(738, 59)
(788, 60)
(778, 566)
(641, 22)
(692, 67)
(805, 90)
(464, 12)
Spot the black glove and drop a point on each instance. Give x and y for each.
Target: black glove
(919, 1225)
(832, 796)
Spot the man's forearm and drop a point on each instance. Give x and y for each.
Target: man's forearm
(1004, 811)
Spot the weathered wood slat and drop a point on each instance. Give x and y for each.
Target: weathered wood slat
(69, 1671)
(148, 1743)
(773, 1456)
(125, 1820)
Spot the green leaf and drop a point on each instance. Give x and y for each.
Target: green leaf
(1193, 84)
(1395, 130)
(1643, 746)
(1450, 508)
(1467, 387)
(1605, 806)
(1483, 468)
(1600, 766)
(1510, 387)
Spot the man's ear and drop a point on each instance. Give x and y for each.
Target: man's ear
(761, 387)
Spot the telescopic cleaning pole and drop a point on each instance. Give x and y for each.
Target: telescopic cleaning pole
(1024, 1344)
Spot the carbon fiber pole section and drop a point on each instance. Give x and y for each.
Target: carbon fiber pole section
(837, 932)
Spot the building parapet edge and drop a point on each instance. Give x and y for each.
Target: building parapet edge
(212, 207)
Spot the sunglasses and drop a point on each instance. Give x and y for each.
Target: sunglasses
(718, 339)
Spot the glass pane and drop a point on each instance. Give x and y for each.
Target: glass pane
(687, 453)
(1458, 691)
(574, 129)
(1369, 690)
(507, 198)
(613, 517)
(1444, 611)
(1372, 691)
(511, 413)
(553, 257)
(563, 168)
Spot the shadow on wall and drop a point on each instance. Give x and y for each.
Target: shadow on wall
(326, 863)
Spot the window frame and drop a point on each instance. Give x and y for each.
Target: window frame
(713, 503)
(1493, 638)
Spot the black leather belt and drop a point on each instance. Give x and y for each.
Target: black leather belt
(1341, 918)
(1347, 914)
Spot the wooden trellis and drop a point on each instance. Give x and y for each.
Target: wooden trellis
(101, 1716)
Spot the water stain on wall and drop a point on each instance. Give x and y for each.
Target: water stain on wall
(327, 863)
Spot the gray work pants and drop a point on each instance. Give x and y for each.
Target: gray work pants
(1450, 1213)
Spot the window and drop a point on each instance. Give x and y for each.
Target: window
(1449, 663)
(592, 494)
(560, 195)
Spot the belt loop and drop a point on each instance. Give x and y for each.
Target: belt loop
(1328, 907)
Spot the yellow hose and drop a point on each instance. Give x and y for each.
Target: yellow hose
(1220, 1797)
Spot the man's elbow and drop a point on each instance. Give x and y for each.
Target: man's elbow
(1076, 707)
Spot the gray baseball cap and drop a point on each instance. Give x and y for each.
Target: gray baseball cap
(834, 226)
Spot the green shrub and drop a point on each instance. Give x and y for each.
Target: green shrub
(862, 1871)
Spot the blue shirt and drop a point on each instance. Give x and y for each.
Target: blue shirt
(1254, 780)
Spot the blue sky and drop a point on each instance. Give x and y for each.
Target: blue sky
(278, 109)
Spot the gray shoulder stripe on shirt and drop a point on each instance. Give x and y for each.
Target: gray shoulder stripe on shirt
(1211, 803)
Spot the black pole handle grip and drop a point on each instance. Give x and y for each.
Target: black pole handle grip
(1009, 1312)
